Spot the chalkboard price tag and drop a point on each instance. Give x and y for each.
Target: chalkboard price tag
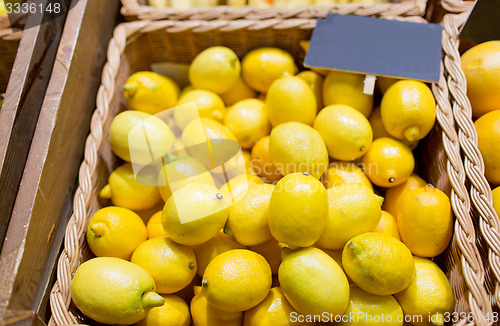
(483, 23)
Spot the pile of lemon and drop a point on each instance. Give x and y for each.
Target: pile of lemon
(334, 223)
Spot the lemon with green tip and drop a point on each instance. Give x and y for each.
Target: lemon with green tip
(174, 312)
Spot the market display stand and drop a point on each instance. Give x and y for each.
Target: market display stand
(42, 207)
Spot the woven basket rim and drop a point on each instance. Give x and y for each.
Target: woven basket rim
(11, 34)
(480, 190)
(457, 6)
(133, 10)
(60, 296)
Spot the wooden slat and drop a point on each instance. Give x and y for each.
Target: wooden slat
(43, 203)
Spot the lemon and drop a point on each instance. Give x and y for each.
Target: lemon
(387, 225)
(384, 83)
(187, 293)
(315, 81)
(298, 210)
(290, 98)
(488, 134)
(238, 92)
(115, 232)
(185, 90)
(236, 188)
(125, 190)
(393, 195)
(408, 110)
(429, 295)
(148, 213)
(296, 147)
(216, 69)
(346, 132)
(194, 214)
(425, 221)
(274, 310)
(127, 135)
(247, 157)
(339, 173)
(204, 314)
(378, 263)
(496, 199)
(113, 291)
(154, 227)
(150, 92)
(337, 256)
(180, 171)
(353, 209)
(247, 120)
(388, 162)
(237, 280)
(313, 282)
(207, 251)
(261, 161)
(209, 105)
(370, 309)
(377, 124)
(262, 96)
(175, 312)
(481, 66)
(178, 149)
(261, 67)
(247, 218)
(304, 44)
(347, 89)
(271, 251)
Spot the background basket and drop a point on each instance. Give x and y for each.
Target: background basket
(138, 9)
(136, 45)
(480, 191)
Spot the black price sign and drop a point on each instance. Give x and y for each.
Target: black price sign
(483, 23)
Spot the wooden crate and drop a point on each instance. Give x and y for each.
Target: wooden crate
(43, 204)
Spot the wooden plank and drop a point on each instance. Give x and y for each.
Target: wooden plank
(43, 204)
(23, 100)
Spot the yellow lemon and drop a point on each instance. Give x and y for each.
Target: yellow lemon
(393, 195)
(115, 232)
(194, 214)
(113, 291)
(247, 120)
(425, 221)
(237, 280)
(150, 92)
(315, 81)
(379, 129)
(171, 265)
(209, 105)
(154, 227)
(488, 134)
(337, 256)
(185, 90)
(204, 314)
(408, 110)
(296, 147)
(261, 161)
(378, 263)
(496, 199)
(125, 190)
(216, 69)
(180, 171)
(274, 310)
(247, 218)
(178, 149)
(313, 282)
(347, 89)
(387, 225)
(207, 251)
(369, 309)
(384, 83)
(247, 157)
(236, 188)
(261, 67)
(388, 162)
(429, 295)
(271, 251)
(481, 66)
(353, 209)
(175, 312)
(290, 98)
(298, 210)
(346, 132)
(238, 92)
(127, 135)
(339, 173)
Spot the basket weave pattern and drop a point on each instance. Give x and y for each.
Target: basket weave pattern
(180, 41)
(457, 6)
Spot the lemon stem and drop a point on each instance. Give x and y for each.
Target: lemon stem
(169, 158)
(151, 300)
(355, 248)
(105, 192)
(380, 199)
(98, 228)
(412, 133)
(227, 230)
(429, 187)
(437, 319)
(130, 88)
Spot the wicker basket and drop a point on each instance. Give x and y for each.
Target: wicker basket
(136, 45)
(138, 9)
(480, 191)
